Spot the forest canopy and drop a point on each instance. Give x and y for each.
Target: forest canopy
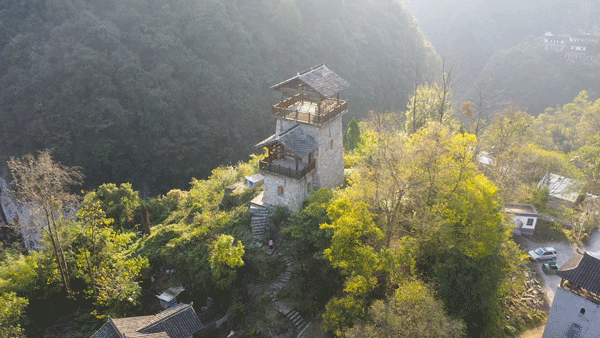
(155, 93)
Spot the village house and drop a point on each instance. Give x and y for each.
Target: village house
(524, 216)
(575, 311)
(179, 321)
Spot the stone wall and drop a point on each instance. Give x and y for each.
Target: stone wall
(294, 191)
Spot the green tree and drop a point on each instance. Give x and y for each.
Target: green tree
(225, 257)
(351, 135)
(11, 309)
(120, 203)
(43, 185)
(413, 312)
(305, 225)
(104, 262)
(428, 103)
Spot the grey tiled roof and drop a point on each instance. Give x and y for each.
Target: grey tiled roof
(179, 321)
(294, 140)
(107, 330)
(583, 270)
(320, 79)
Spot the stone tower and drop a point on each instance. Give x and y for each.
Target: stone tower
(306, 152)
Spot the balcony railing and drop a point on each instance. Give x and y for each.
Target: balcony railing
(282, 110)
(287, 171)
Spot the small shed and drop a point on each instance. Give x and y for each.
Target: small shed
(524, 216)
(255, 180)
(169, 297)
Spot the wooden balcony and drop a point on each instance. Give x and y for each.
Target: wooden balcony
(294, 108)
(286, 170)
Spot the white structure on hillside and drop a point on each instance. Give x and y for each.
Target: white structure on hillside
(563, 190)
(306, 152)
(575, 311)
(524, 216)
(581, 45)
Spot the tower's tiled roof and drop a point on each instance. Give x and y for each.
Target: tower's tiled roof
(582, 270)
(294, 140)
(320, 79)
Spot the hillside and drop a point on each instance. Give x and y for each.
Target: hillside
(155, 93)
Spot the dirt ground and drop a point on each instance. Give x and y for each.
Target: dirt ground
(534, 333)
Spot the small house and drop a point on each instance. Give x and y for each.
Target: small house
(575, 311)
(169, 297)
(524, 216)
(255, 180)
(563, 190)
(179, 321)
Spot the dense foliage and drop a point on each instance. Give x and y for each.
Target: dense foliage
(156, 93)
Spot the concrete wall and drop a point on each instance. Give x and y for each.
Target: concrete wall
(526, 228)
(566, 311)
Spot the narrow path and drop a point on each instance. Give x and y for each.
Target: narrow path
(260, 220)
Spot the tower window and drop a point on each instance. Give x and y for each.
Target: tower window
(530, 221)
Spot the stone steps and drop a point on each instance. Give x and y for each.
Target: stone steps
(259, 220)
(296, 319)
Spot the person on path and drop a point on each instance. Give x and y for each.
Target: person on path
(271, 244)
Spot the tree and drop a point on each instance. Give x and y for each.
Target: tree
(43, 185)
(429, 103)
(104, 262)
(305, 225)
(120, 203)
(11, 308)
(413, 312)
(224, 259)
(351, 135)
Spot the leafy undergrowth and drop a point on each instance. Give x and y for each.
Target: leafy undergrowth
(546, 231)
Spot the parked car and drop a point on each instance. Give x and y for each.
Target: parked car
(550, 268)
(543, 253)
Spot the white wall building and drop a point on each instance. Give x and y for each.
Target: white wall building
(524, 216)
(575, 311)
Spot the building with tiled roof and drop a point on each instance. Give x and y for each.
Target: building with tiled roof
(575, 311)
(306, 150)
(179, 321)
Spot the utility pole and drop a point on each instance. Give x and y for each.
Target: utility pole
(587, 211)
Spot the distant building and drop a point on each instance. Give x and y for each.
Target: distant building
(582, 45)
(169, 297)
(306, 152)
(179, 321)
(524, 216)
(575, 311)
(563, 190)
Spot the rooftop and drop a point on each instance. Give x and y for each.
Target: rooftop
(320, 79)
(179, 321)
(520, 209)
(294, 140)
(582, 270)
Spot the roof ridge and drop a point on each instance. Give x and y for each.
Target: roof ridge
(180, 307)
(289, 130)
(311, 69)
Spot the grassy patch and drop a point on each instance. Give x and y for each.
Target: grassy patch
(550, 231)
